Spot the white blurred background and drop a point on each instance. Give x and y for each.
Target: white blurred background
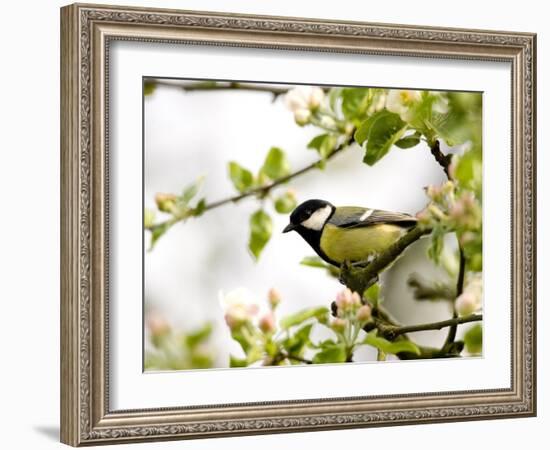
(196, 133)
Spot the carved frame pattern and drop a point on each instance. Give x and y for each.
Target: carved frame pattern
(86, 32)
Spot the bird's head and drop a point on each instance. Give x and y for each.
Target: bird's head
(310, 215)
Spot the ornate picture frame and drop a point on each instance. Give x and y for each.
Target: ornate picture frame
(86, 34)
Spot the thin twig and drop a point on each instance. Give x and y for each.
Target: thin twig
(221, 86)
(264, 190)
(459, 289)
(391, 332)
(444, 161)
(297, 358)
(261, 191)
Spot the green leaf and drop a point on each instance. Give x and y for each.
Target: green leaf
(473, 340)
(408, 142)
(317, 141)
(363, 130)
(240, 336)
(157, 231)
(318, 263)
(313, 261)
(323, 344)
(390, 347)
(199, 209)
(237, 362)
(355, 102)
(335, 353)
(325, 145)
(383, 134)
(148, 88)
(195, 338)
(469, 170)
(421, 113)
(300, 339)
(190, 191)
(276, 164)
(333, 97)
(319, 312)
(242, 178)
(261, 228)
(201, 361)
(372, 294)
(285, 203)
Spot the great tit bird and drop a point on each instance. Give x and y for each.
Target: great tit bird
(347, 233)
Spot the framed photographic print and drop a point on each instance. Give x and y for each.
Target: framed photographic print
(276, 224)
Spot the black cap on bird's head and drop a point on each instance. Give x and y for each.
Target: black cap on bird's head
(312, 215)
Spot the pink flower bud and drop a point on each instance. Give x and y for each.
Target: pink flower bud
(343, 298)
(157, 325)
(339, 325)
(466, 304)
(165, 202)
(457, 210)
(364, 314)
(267, 323)
(355, 299)
(344, 301)
(433, 191)
(423, 217)
(233, 321)
(274, 298)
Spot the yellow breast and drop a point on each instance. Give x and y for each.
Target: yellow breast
(357, 244)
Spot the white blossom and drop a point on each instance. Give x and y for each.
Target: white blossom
(239, 306)
(441, 103)
(378, 103)
(400, 101)
(302, 100)
(302, 116)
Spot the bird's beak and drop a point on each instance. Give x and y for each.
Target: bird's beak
(289, 227)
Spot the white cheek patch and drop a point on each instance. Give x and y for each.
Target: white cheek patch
(318, 219)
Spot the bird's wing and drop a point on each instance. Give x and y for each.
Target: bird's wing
(354, 217)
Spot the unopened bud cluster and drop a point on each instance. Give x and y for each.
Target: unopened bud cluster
(350, 310)
(450, 209)
(165, 202)
(242, 310)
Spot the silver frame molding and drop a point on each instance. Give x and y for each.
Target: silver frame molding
(86, 31)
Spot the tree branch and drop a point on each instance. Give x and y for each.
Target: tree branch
(459, 289)
(222, 86)
(260, 191)
(360, 278)
(391, 332)
(444, 161)
(441, 158)
(300, 359)
(264, 190)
